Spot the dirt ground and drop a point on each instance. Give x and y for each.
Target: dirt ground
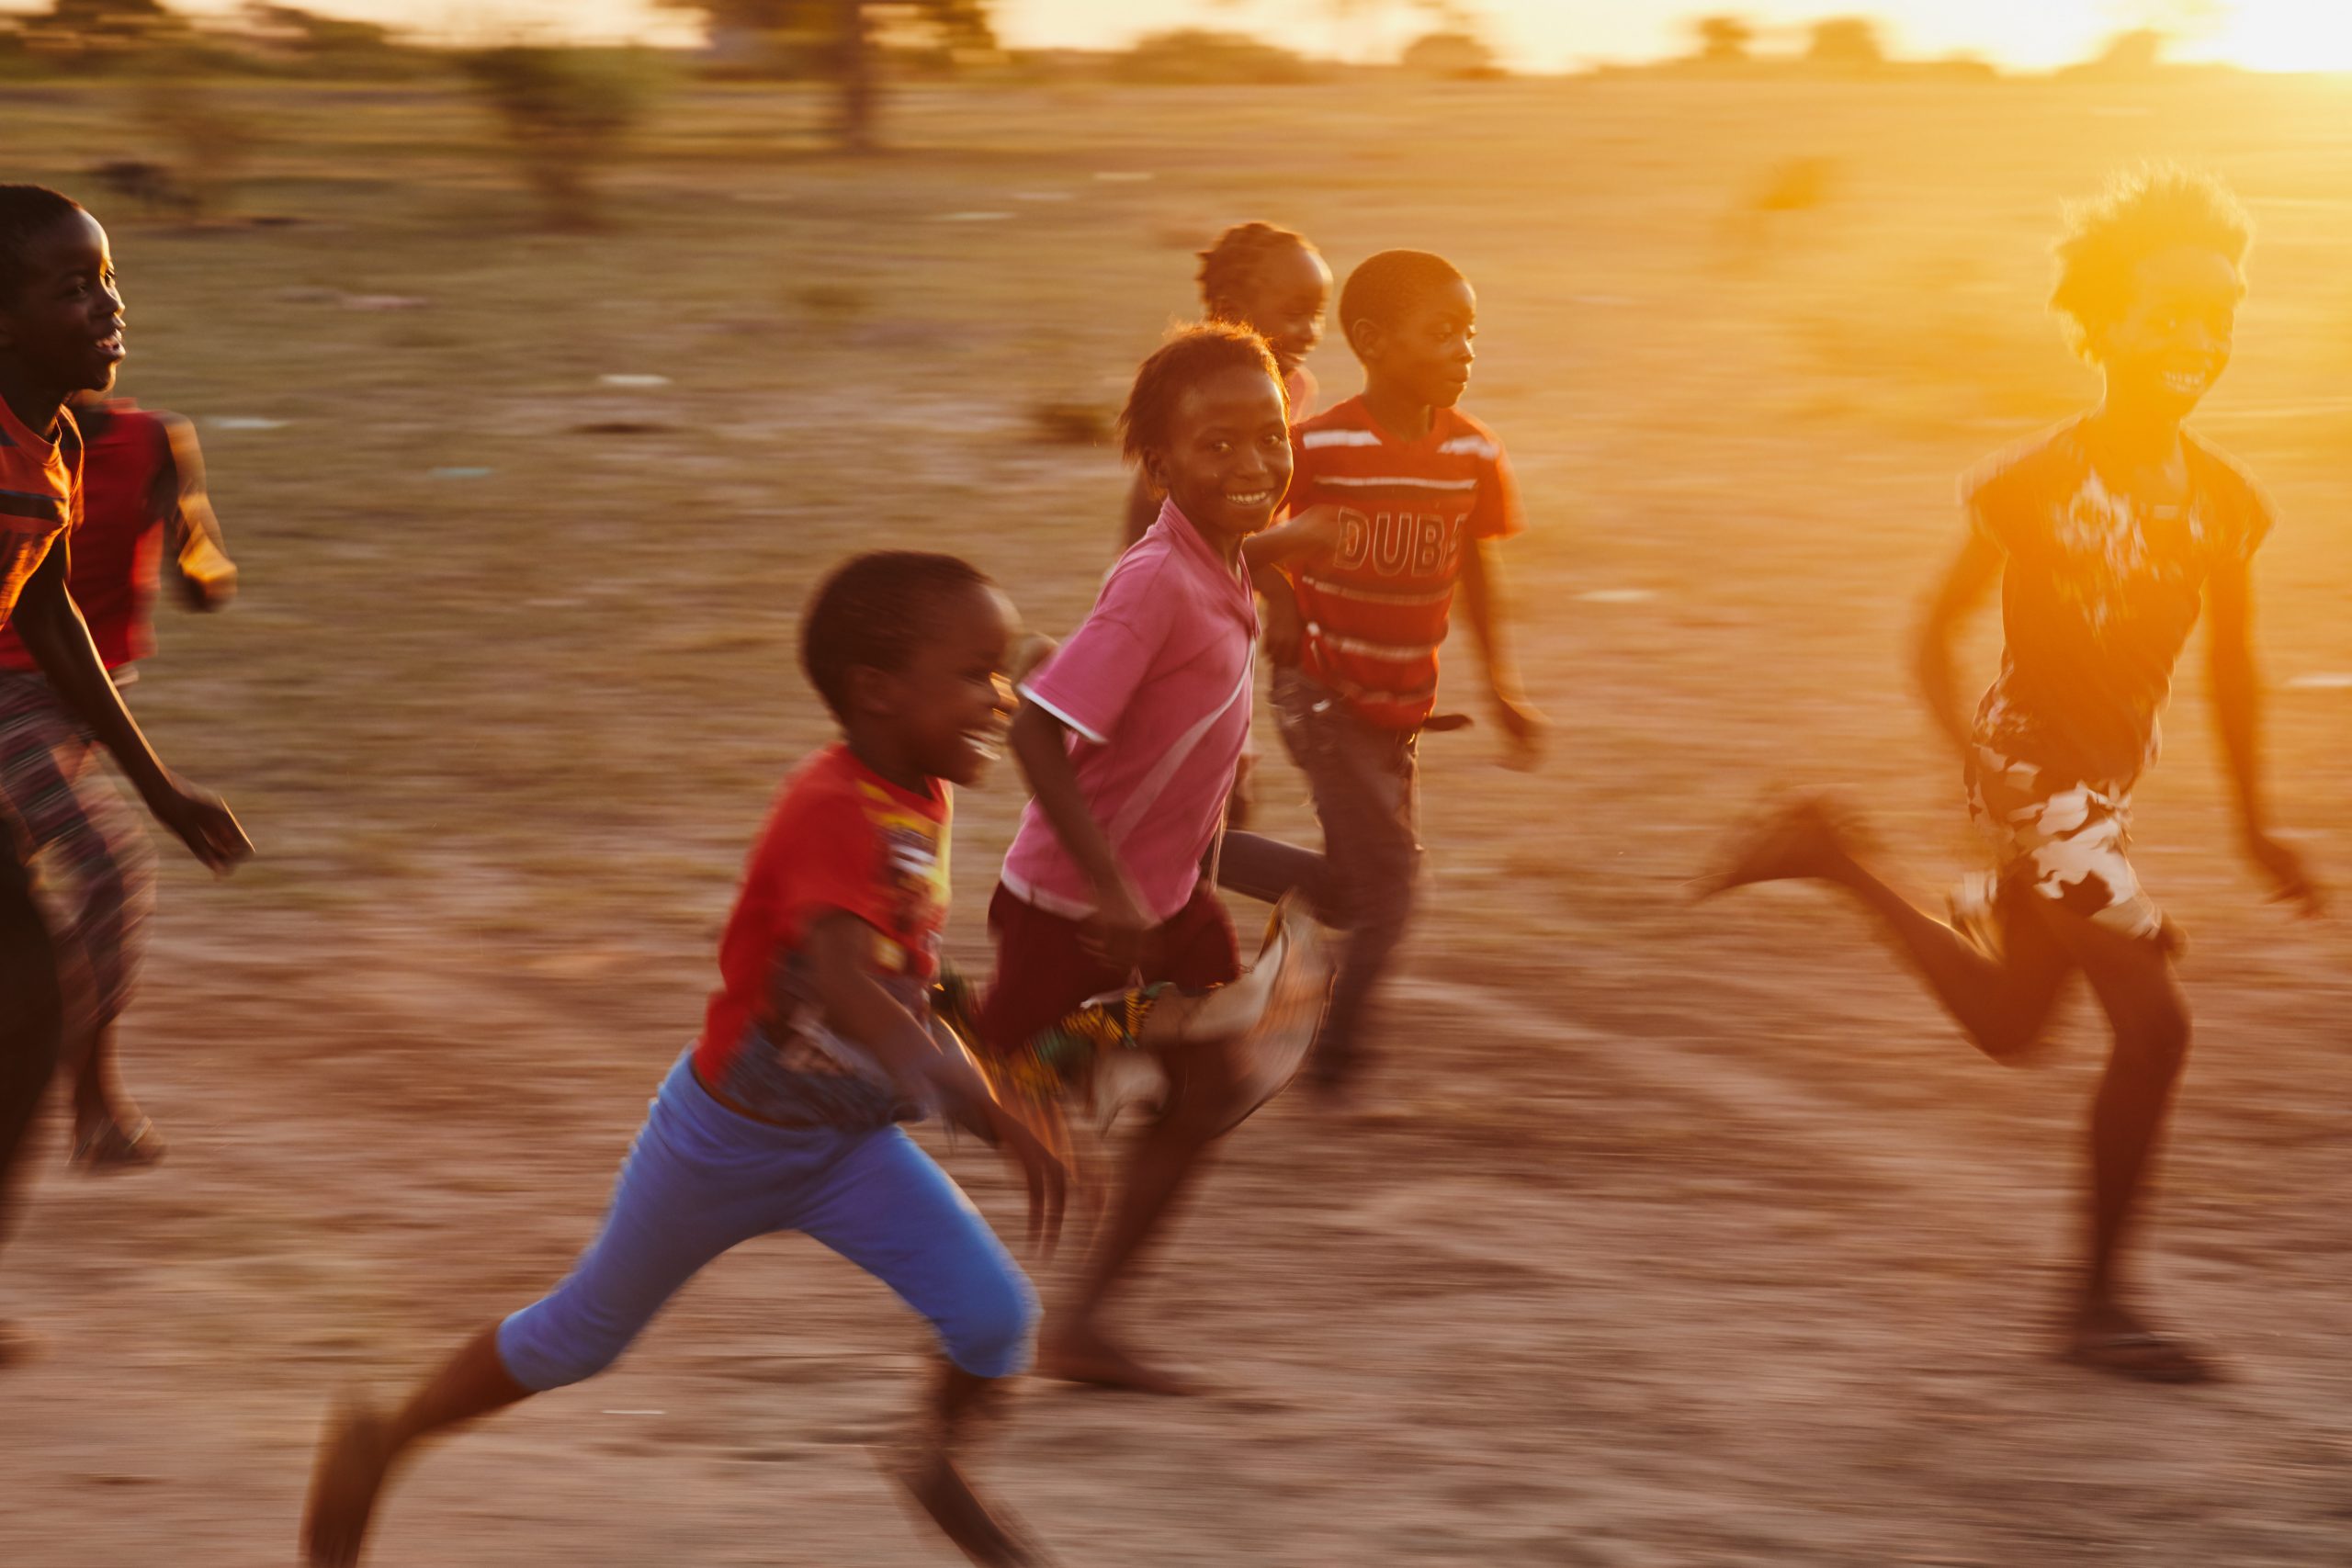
(1670, 1237)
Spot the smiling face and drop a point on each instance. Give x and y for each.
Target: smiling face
(1424, 355)
(1226, 461)
(63, 327)
(1282, 301)
(2172, 343)
(946, 709)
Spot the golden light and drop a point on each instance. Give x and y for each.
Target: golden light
(2284, 35)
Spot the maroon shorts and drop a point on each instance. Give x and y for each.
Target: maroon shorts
(1042, 974)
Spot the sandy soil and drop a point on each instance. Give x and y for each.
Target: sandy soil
(1670, 1239)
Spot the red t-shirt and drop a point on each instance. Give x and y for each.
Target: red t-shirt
(117, 545)
(841, 838)
(40, 498)
(1378, 606)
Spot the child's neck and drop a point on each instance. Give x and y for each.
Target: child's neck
(1227, 547)
(1400, 413)
(35, 407)
(2133, 434)
(887, 760)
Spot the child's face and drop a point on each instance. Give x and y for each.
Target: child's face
(950, 703)
(2173, 342)
(1226, 464)
(1284, 303)
(1426, 353)
(64, 326)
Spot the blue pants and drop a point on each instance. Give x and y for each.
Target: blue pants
(701, 1178)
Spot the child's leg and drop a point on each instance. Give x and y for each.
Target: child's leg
(65, 810)
(113, 866)
(1196, 950)
(2133, 979)
(685, 1195)
(29, 1018)
(1265, 869)
(1365, 783)
(2003, 1003)
(890, 1209)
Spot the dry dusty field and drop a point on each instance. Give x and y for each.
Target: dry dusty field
(1673, 1238)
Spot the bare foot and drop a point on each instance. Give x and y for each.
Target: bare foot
(947, 1500)
(352, 1461)
(2112, 1339)
(1806, 837)
(113, 1142)
(1084, 1355)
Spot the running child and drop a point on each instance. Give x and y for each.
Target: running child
(1128, 735)
(145, 513)
(60, 333)
(1274, 282)
(1398, 500)
(816, 1044)
(2106, 538)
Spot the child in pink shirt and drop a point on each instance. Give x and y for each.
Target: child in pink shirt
(1128, 736)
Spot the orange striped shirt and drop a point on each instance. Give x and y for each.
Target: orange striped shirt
(40, 498)
(1377, 606)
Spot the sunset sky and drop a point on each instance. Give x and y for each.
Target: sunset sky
(1534, 34)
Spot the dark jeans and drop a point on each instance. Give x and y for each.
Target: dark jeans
(1366, 784)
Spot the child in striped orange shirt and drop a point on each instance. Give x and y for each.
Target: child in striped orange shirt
(1398, 498)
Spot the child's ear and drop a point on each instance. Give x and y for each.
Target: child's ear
(869, 690)
(1155, 469)
(1367, 337)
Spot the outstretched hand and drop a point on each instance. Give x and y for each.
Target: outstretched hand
(2290, 880)
(202, 820)
(1526, 728)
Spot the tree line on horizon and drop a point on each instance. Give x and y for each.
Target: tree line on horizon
(565, 112)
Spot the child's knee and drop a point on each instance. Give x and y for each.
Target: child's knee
(995, 1324)
(546, 1346)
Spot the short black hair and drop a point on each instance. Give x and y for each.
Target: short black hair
(1231, 264)
(27, 212)
(875, 610)
(1192, 355)
(2156, 206)
(1385, 286)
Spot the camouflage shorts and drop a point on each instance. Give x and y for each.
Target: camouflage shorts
(2070, 845)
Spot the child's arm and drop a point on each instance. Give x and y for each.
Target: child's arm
(1114, 932)
(1966, 586)
(1312, 532)
(53, 632)
(1482, 593)
(838, 947)
(197, 556)
(2229, 598)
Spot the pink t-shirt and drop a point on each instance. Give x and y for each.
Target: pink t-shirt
(1155, 686)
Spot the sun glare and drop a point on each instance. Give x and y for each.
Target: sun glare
(2285, 35)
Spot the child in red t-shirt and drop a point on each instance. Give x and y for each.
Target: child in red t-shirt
(145, 513)
(60, 333)
(1397, 498)
(819, 1041)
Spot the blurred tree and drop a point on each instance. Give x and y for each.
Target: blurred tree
(87, 34)
(841, 39)
(1194, 55)
(1457, 56)
(1725, 40)
(1847, 43)
(566, 113)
